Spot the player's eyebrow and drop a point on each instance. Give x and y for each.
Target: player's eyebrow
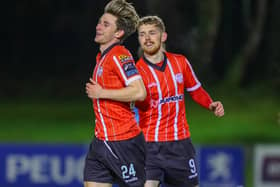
(149, 31)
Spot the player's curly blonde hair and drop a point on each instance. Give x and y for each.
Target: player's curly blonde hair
(127, 17)
(152, 20)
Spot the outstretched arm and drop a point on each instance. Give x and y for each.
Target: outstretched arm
(133, 92)
(201, 97)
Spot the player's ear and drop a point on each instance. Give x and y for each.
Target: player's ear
(119, 34)
(163, 37)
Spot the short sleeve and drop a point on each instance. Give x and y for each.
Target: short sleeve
(125, 67)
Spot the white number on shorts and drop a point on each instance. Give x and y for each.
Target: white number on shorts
(127, 173)
(192, 165)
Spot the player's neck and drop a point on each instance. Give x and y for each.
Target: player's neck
(155, 58)
(104, 46)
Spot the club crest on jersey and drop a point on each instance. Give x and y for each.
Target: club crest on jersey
(99, 71)
(125, 58)
(179, 77)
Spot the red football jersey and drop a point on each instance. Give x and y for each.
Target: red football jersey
(115, 69)
(165, 119)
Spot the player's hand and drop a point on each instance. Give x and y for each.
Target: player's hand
(217, 108)
(93, 89)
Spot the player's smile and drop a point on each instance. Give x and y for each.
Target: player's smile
(149, 44)
(98, 34)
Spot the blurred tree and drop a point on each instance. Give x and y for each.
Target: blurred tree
(49, 43)
(180, 18)
(254, 17)
(222, 39)
(209, 18)
(268, 56)
(192, 27)
(271, 44)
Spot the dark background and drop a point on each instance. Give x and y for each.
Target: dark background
(48, 54)
(47, 48)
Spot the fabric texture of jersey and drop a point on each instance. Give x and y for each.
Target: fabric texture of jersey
(165, 119)
(115, 69)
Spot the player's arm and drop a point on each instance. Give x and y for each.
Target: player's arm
(135, 91)
(198, 94)
(201, 97)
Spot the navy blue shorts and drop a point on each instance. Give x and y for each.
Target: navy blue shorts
(172, 163)
(117, 162)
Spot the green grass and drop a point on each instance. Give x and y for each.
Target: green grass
(42, 121)
(250, 118)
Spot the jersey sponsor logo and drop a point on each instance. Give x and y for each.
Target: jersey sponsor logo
(171, 99)
(125, 58)
(130, 69)
(154, 103)
(179, 77)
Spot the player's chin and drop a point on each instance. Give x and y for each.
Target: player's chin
(150, 51)
(97, 39)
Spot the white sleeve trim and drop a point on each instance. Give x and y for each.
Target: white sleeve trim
(127, 81)
(134, 78)
(194, 87)
(120, 68)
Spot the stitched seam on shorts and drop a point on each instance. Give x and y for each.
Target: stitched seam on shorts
(109, 148)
